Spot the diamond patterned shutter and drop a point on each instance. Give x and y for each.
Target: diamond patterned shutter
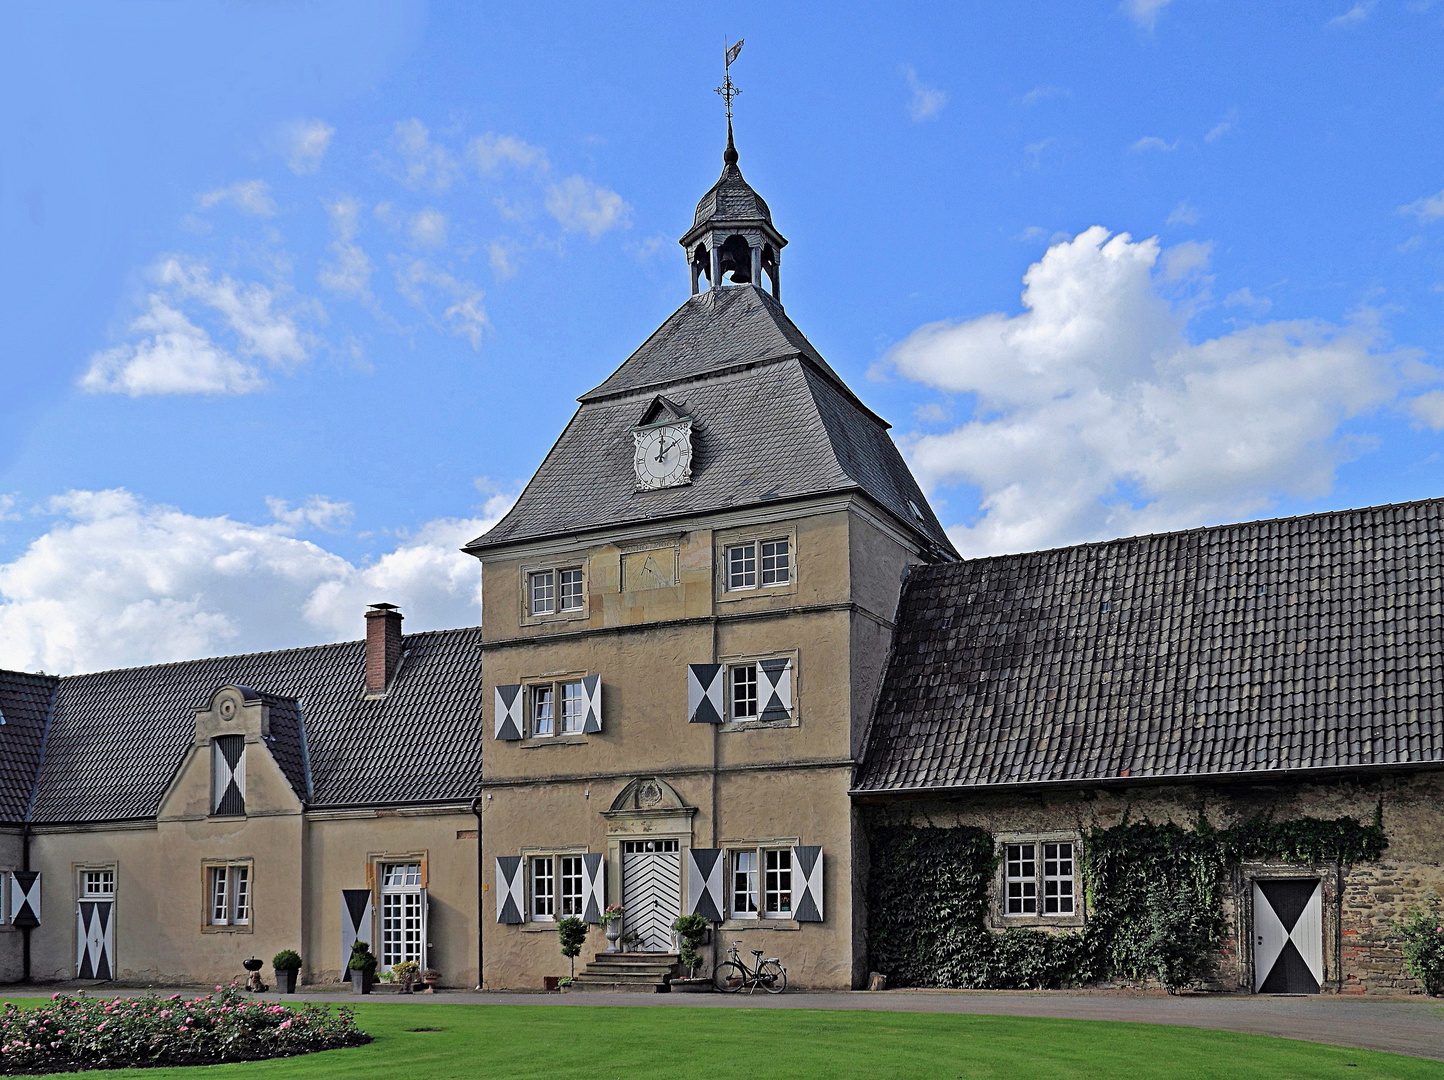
(705, 867)
(425, 929)
(95, 940)
(774, 689)
(510, 901)
(25, 897)
(592, 685)
(704, 693)
(228, 788)
(807, 883)
(508, 712)
(594, 891)
(355, 924)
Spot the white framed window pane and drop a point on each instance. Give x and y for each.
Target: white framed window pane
(639, 847)
(574, 707)
(742, 566)
(219, 900)
(401, 875)
(777, 891)
(542, 889)
(776, 562)
(241, 895)
(571, 582)
(543, 593)
(744, 884)
(543, 710)
(392, 922)
(98, 883)
(1058, 879)
(744, 691)
(1021, 876)
(571, 899)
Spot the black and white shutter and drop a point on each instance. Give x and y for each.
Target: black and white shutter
(355, 923)
(509, 723)
(592, 686)
(704, 693)
(705, 869)
(510, 894)
(774, 690)
(228, 762)
(25, 897)
(807, 884)
(594, 893)
(425, 928)
(95, 940)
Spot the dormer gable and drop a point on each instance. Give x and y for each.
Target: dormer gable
(662, 410)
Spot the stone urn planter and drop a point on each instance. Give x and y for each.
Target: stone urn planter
(362, 981)
(286, 980)
(432, 979)
(612, 925)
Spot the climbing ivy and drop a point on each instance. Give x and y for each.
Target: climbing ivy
(1154, 891)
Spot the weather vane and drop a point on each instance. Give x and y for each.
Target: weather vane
(727, 89)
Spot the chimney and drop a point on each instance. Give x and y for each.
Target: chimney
(383, 646)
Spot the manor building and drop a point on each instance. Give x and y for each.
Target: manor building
(727, 656)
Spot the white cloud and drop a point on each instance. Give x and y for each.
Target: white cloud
(1096, 415)
(582, 206)
(247, 308)
(427, 164)
(490, 152)
(1183, 214)
(927, 101)
(174, 356)
(1035, 150)
(1043, 93)
(319, 511)
(349, 271)
(1429, 408)
(1186, 259)
(1245, 298)
(428, 228)
(1223, 127)
(499, 253)
(1429, 208)
(1355, 15)
(304, 144)
(118, 581)
(1144, 12)
(1153, 142)
(250, 196)
(465, 314)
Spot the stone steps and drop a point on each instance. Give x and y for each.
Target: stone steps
(643, 973)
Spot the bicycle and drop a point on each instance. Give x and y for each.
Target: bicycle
(733, 973)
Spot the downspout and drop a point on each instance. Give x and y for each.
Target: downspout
(480, 893)
(25, 930)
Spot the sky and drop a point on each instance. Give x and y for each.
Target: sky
(296, 296)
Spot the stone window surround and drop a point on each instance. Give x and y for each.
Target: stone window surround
(998, 918)
(556, 565)
(558, 738)
(248, 927)
(759, 921)
(1329, 874)
(758, 534)
(531, 924)
(752, 723)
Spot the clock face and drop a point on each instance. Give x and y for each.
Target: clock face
(664, 456)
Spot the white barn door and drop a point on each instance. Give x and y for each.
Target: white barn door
(1288, 936)
(652, 890)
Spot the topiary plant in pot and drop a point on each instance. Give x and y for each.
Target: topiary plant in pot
(362, 966)
(571, 935)
(693, 931)
(287, 963)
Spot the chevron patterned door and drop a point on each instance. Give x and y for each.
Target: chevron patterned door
(1288, 936)
(652, 890)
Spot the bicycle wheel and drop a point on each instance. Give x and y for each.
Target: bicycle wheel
(772, 976)
(729, 977)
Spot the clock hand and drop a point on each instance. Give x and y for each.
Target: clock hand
(662, 449)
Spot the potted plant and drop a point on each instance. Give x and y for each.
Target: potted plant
(432, 978)
(287, 963)
(571, 935)
(692, 931)
(612, 925)
(362, 966)
(407, 973)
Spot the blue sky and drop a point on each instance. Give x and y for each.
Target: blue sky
(296, 296)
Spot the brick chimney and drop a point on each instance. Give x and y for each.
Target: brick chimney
(383, 646)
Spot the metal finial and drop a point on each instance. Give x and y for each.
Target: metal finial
(729, 90)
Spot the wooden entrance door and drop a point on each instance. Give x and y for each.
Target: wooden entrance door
(1288, 936)
(652, 890)
(95, 940)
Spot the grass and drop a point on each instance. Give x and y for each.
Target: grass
(518, 1042)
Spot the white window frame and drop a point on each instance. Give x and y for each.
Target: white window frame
(542, 722)
(571, 589)
(743, 675)
(779, 572)
(571, 890)
(541, 592)
(402, 920)
(1054, 880)
(97, 883)
(1027, 887)
(558, 591)
(781, 886)
(758, 564)
(740, 563)
(568, 707)
(230, 894)
(747, 874)
(542, 885)
(1020, 879)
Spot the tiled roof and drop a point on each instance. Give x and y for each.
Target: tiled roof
(116, 737)
(1302, 643)
(771, 422)
(731, 198)
(24, 705)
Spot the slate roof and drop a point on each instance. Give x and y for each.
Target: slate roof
(1302, 643)
(116, 738)
(24, 706)
(771, 420)
(731, 198)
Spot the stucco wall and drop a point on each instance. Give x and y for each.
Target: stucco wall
(12, 857)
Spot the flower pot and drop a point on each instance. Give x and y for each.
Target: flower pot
(613, 932)
(361, 982)
(550, 983)
(286, 980)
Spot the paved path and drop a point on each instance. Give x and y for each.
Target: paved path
(1399, 1026)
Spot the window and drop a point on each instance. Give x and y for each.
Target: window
(744, 691)
(543, 593)
(403, 914)
(1057, 879)
(230, 894)
(543, 889)
(777, 891)
(1022, 877)
(1034, 869)
(775, 557)
(744, 884)
(558, 708)
(552, 591)
(571, 898)
(572, 598)
(574, 707)
(97, 884)
(228, 775)
(543, 710)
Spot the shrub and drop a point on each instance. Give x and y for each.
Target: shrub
(72, 1033)
(286, 960)
(693, 929)
(1423, 934)
(363, 959)
(571, 933)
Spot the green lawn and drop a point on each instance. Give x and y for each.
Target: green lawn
(595, 1043)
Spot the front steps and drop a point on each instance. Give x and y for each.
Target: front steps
(642, 973)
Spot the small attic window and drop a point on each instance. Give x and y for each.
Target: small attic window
(917, 510)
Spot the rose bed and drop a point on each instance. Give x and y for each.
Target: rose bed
(71, 1033)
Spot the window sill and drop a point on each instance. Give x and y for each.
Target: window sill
(760, 725)
(732, 925)
(562, 617)
(1033, 922)
(538, 741)
(728, 595)
(226, 929)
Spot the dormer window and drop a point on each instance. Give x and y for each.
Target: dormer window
(228, 775)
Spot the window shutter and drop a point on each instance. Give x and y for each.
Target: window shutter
(594, 893)
(510, 898)
(592, 685)
(509, 723)
(228, 790)
(425, 929)
(704, 693)
(807, 884)
(705, 867)
(95, 940)
(355, 924)
(25, 897)
(774, 692)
